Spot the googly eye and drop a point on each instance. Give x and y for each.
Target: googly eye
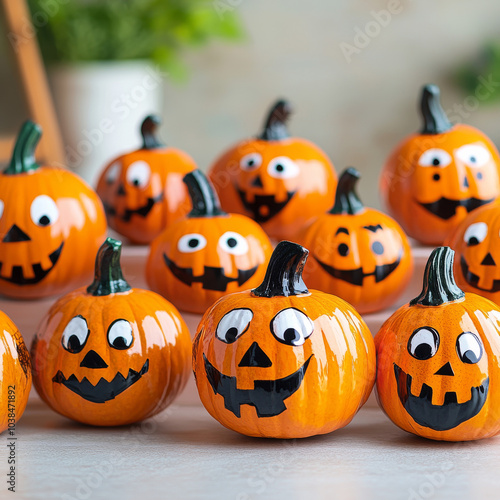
(75, 335)
(475, 233)
(473, 155)
(283, 167)
(138, 174)
(233, 243)
(291, 326)
(469, 348)
(113, 173)
(44, 211)
(251, 161)
(233, 325)
(423, 343)
(191, 243)
(120, 334)
(2, 206)
(434, 158)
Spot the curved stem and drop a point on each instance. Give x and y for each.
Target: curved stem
(275, 126)
(23, 156)
(203, 196)
(148, 132)
(435, 119)
(346, 199)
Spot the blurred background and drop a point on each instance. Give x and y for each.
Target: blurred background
(352, 69)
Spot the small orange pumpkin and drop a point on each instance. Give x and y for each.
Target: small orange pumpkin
(210, 253)
(358, 253)
(15, 374)
(110, 354)
(47, 216)
(434, 178)
(142, 191)
(281, 361)
(438, 360)
(281, 182)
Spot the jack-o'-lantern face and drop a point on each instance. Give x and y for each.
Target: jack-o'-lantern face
(142, 191)
(279, 181)
(434, 179)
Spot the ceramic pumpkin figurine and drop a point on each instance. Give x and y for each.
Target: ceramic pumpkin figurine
(110, 354)
(47, 216)
(282, 182)
(358, 253)
(15, 373)
(438, 360)
(142, 191)
(282, 361)
(210, 253)
(435, 177)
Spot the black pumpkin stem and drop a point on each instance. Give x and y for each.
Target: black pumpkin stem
(275, 126)
(346, 199)
(148, 132)
(439, 283)
(284, 273)
(203, 196)
(108, 277)
(23, 156)
(435, 119)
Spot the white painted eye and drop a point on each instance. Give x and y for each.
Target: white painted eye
(251, 161)
(75, 335)
(434, 158)
(191, 243)
(469, 348)
(44, 210)
(473, 155)
(113, 173)
(423, 343)
(292, 327)
(233, 325)
(120, 334)
(2, 206)
(138, 174)
(475, 233)
(283, 167)
(233, 243)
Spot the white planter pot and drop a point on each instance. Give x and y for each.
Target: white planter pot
(100, 108)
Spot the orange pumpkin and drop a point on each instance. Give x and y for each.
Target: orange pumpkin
(282, 182)
(210, 253)
(47, 216)
(15, 374)
(142, 191)
(281, 361)
(434, 178)
(110, 354)
(358, 253)
(438, 360)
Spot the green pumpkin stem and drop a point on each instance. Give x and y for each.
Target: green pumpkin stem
(346, 199)
(275, 126)
(435, 119)
(23, 156)
(108, 277)
(439, 283)
(203, 196)
(148, 132)
(284, 273)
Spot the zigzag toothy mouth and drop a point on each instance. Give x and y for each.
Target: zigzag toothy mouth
(264, 207)
(473, 279)
(445, 208)
(142, 211)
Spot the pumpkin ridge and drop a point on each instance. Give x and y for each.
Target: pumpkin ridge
(346, 199)
(23, 156)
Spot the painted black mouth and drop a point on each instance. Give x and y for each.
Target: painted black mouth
(267, 396)
(473, 279)
(213, 278)
(268, 202)
(356, 276)
(18, 277)
(438, 417)
(128, 213)
(445, 209)
(103, 391)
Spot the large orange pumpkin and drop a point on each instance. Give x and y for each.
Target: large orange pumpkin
(438, 360)
(282, 361)
(358, 253)
(435, 177)
(280, 181)
(47, 216)
(110, 354)
(210, 253)
(142, 191)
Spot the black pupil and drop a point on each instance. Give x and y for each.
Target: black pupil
(343, 249)
(291, 335)
(469, 357)
(473, 241)
(436, 177)
(436, 161)
(279, 167)
(479, 175)
(473, 159)
(193, 243)
(74, 343)
(231, 242)
(251, 163)
(378, 248)
(120, 343)
(44, 220)
(231, 334)
(136, 182)
(423, 351)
